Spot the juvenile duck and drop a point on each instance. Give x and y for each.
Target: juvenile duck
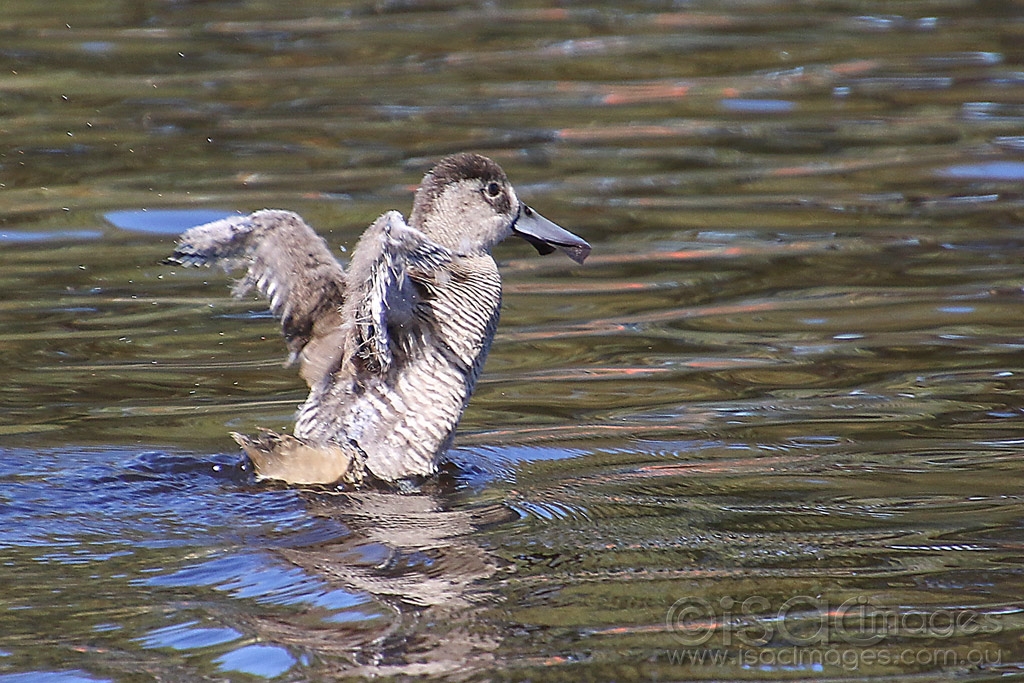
(392, 346)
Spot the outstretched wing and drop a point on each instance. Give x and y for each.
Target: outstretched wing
(390, 267)
(291, 265)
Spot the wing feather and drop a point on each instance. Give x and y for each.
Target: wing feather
(388, 265)
(288, 263)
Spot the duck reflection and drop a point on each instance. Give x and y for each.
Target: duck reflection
(417, 558)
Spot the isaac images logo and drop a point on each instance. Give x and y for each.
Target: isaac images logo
(804, 621)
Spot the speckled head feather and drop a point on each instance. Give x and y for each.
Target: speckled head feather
(452, 170)
(464, 166)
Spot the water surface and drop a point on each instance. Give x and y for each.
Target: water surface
(771, 430)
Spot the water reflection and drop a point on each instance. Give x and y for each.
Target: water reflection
(414, 556)
(374, 582)
(163, 222)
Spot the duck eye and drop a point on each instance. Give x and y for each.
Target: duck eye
(493, 189)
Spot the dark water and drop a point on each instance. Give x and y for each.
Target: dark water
(771, 430)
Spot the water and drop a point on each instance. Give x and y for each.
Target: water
(771, 430)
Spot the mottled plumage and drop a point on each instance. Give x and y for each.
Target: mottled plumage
(391, 346)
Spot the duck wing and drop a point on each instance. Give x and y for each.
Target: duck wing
(391, 269)
(291, 265)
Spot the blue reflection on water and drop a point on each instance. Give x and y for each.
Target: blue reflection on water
(267, 661)
(50, 677)
(93, 505)
(752, 106)
(42, 236)
(164, 221)
(255, 576)
(990, 170)
(188, 637)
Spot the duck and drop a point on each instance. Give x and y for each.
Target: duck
(390, 345)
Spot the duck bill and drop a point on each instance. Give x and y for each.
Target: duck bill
(546, 236)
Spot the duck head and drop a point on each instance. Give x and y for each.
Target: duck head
(467, 204)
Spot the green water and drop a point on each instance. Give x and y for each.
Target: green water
(772, 429)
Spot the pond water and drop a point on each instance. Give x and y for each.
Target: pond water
(772, 429)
